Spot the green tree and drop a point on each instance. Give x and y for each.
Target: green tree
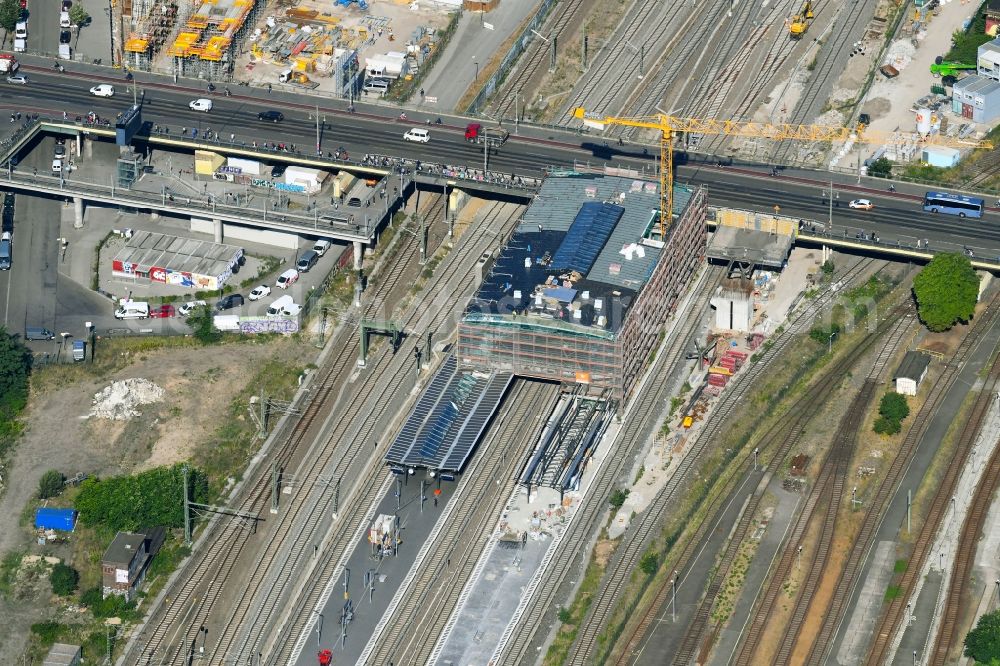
(51, 484)
(649, 563)
(15, 365)
(10, 12)
(946, 291)
(202, 322)
(983, 642)
(78, 16)
(894, 406)
(64, 579)
(880, 168)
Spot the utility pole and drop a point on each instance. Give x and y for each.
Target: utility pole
(318, 151)
(187, 509)
(274, 486)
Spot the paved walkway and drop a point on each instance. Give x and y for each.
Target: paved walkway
(468, 52)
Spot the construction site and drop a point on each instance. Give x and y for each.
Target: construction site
(309, 46)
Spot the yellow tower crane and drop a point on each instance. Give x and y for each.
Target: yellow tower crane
(669, 125)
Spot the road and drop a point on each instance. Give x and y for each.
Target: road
(376, 130)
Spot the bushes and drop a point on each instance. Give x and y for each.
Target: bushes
(150, 498)
(892, 409)
(618, 497)
(202, 322)
(49, 632)
(113, 606)
(51, 484)
(64, 579)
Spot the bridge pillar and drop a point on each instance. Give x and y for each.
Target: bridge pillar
(77, 212)
(359, 249)
(217, 228)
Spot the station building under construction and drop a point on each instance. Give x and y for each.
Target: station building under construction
(578, 295)
(582, 289)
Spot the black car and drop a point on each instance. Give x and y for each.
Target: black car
(64, 36)
(273, 116)
(229, 302)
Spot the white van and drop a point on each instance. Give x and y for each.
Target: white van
(418, 134)
(278, 305)
(287, 279)
(377, 86)
(321, 247)
(132, 310)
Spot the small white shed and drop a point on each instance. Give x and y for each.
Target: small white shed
(911, 372)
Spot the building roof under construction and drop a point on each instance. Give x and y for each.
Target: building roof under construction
(580, 254)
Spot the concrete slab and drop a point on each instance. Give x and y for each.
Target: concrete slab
(869, 606)
(760, 248)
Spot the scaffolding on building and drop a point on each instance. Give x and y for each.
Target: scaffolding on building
(206, 44)
(149, 24)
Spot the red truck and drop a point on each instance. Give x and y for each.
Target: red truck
(494, 137)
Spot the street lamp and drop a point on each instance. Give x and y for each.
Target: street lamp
(319, 627)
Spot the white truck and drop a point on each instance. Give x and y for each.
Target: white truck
(8, 64)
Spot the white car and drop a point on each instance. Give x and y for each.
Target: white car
(417, 134)
(201, 104)
(189, 307)
(103, 90)
(18, 79)
(258, 293)
(863, 204)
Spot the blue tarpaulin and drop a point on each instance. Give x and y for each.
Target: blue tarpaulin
(55, 519)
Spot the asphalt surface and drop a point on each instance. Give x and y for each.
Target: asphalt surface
(377, 130)
(389, 571)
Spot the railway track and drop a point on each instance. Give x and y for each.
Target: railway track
(537, 53)
(424, 604)
(835, 608)
(718, 418)
(828, 489)
(660, 29)
(824, 76)
(938, 507)
(224, 550)
(282, 644)
(950, 635)
(778, 445)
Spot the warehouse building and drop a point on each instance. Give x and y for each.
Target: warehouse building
(183, 262)
(582, 289)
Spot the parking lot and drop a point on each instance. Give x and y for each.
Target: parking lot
(52, 279)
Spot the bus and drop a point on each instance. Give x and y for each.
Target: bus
(953, 204)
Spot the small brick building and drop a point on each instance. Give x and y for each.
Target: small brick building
(124, 564)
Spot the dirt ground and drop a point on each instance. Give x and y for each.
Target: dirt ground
(200, 383)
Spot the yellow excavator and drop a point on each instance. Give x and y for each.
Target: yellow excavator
(800, 22)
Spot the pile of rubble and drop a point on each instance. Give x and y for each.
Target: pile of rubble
(118, 402)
